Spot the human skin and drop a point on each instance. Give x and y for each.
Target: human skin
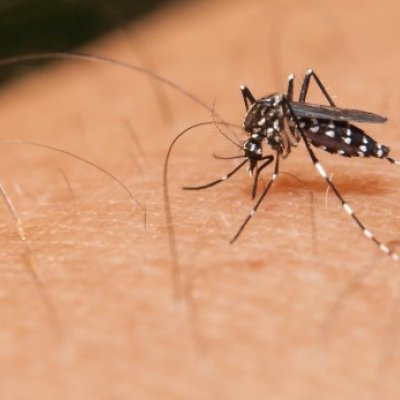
(302, 306)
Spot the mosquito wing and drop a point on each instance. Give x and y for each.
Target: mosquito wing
(317, 111)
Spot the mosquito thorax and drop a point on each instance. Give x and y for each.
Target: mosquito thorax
(264, 119)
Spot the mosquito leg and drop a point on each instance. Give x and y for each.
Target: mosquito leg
(393, 161)
(290, 87)
(222, 179)
(350, 211)
(255, 208)
(269, 159)
(346, 207)
(306, 83)
(248, 98)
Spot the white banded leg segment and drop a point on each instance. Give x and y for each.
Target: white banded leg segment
(384, 248)
(346, 207)
(290, 87)
(368, 233)
(321, 170)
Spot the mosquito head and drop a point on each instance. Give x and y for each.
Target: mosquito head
(253, 152)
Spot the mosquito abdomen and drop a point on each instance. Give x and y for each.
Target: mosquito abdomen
(342, 138)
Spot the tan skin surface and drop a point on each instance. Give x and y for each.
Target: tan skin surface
(265, 318)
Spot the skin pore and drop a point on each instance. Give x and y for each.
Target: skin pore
(301, 306)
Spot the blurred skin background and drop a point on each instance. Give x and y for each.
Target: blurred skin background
(303, 306)
(32, 26)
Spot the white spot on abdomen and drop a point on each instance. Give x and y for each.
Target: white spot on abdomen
(347, 140)
(330, 134)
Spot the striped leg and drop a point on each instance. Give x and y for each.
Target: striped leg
(345, 205)
(393, 161)
(255, 208)
(289, 91)
(248, 97)
(306, 83)
(222, 179)
(350, 211)
(257, 174)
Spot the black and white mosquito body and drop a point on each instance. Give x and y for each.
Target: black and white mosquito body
(281, 123)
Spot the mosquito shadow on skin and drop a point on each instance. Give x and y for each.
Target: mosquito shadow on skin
(354, 185)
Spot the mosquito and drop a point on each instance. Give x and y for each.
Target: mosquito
(282, 123)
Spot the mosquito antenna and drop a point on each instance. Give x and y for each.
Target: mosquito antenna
(176, 270)
(88, 162)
